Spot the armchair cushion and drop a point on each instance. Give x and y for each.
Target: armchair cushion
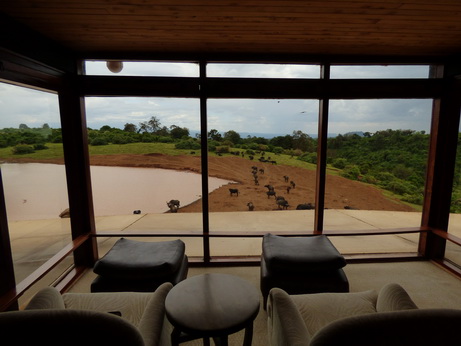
(393, 297)
(318, 310)
(46, 298)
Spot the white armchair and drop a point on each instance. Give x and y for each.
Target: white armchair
(144, 311)
(389, 317)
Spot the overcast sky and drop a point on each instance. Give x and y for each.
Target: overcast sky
(273, 117)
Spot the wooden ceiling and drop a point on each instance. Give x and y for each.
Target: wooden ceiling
(304, 27)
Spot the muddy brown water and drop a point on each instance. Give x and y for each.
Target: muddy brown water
(38, 191)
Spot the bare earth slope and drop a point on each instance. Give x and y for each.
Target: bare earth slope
(340, 192)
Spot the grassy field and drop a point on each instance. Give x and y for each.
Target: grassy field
(56, 151)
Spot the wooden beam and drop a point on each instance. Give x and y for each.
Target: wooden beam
(204, 161)
(7, 278)
(77, 163)
(29, 44)
(23, 71)
(139, 86)
(324, 106)
(262, 88)
(440, 167)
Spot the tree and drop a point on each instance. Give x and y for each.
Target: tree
(232, 136)
(152, 125)
(178, 132)
(214, 135)
(105, 128)
(23, 127)
(45, 126)
(130, 128)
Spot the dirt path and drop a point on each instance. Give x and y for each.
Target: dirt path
(340, 192)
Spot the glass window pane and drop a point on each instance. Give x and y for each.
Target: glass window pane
(267, 150)
(263, 70)
(144, 153)
(33, 176)
(144, 68)
(376, 163)
(381, 71)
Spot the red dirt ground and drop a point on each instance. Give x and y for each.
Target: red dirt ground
(340, 192)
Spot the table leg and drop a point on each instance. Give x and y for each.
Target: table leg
(175, 334)
(248, 335)
(221, 341)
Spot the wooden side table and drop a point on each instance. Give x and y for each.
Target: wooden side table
(212, 305)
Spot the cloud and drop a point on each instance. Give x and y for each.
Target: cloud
(27, 106)
(34, 108)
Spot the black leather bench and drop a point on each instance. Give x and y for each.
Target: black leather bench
(140, 266)
(301, 265)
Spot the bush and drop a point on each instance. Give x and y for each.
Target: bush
(351, 172)
(339, 163)
(40, 147)
(223, 149)
(188, 144)
(23, 149)
(99, 141)
(309, 157)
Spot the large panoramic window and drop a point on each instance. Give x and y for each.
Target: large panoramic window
(266, 149)
(377, 156)
(34, 181)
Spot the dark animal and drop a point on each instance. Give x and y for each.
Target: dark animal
(280, 198)
(137, 211)
(234, 191)
(349, 207)
(251, 157)
(256, 180)
(288, 189)
(282, 204)
(285, 177)
(269, 187)
(261, 170)
(251, 206)
(292, 183)
(305, 206)
(173, 205)
(271, 193)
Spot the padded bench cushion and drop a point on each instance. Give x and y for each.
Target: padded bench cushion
(131, 259)
(296, 254)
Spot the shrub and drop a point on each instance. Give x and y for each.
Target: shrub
(351, 172)
(23, 149)
(309, 157)
(188, 144)
(339, 163)
(99, 141)
(40, 147)
(222, 149)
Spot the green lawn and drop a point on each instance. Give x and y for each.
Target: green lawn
(55, 151)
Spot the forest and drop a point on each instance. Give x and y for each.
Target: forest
(394, 160)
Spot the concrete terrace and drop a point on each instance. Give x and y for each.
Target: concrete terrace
(34, 242)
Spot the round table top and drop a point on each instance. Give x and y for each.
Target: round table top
(212, 304)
